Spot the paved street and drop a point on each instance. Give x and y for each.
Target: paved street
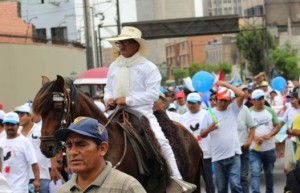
(279, 178)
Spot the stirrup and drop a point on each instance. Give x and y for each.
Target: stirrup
(180, 186)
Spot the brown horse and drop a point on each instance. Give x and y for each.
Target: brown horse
(59, 102)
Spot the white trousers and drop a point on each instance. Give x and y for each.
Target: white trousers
(164, 143)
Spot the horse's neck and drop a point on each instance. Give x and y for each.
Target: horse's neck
(89, 109)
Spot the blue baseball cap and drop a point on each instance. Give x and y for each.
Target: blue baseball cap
(11, 117)
(84, 126)
(256, 94)
(194, 98)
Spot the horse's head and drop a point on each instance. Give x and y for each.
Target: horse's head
(59, 102)
(53, 103)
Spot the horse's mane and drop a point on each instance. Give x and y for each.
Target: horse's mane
(168, 127)
(42, 102)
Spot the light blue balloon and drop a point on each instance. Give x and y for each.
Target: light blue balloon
(279, 83)
(162, 89)
(206, 97)
(202, 81)
(176, 89)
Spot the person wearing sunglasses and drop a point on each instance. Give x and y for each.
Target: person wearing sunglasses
(134, 81)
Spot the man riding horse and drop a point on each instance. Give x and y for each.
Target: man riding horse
(134, 81)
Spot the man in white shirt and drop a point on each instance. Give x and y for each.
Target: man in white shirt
(19, 157)
(225, 145)
(193, 120)
(134, 81)
(262, 150)
(32, 132)
(2, 132)
(181, 103)
(289, 114)
(246, 130)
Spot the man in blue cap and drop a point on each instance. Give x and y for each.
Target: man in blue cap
(19, 157)
(263, 149)
(87, 144)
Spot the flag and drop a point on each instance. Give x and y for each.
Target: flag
(218, 77)
(236, 79)
(188, 83)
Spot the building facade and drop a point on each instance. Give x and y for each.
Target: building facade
(222, 7)
(54, 20)
(23, 61)
(159, 10)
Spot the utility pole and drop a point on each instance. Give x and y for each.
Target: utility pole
(118, 17)
(88, 35)
(100, 46)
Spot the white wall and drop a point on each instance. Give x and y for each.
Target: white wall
(22, 66)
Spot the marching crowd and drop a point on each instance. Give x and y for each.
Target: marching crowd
(236, 131)
(235, 127)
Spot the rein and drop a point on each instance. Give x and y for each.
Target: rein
(124, 134)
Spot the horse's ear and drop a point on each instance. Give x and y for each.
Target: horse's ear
(45, 80)
(60, 81)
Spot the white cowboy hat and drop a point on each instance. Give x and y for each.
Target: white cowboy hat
(129, 32)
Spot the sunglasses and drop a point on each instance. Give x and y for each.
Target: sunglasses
(212, 99)
(125, 42)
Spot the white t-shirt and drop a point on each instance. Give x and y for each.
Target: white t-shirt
(175, 117)
(34, 136)
(193, 122)
(224, 140)
(4, 186)
(289, 115)
(181, 109)
(19, 156)
(264, 121)
(245, 122)
(2, 134)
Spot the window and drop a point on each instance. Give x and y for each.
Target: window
(41, 35)
(59, 35)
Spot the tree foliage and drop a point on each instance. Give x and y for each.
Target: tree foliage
(285, 61)
(179, 74)
(196, 67)
(251, 43)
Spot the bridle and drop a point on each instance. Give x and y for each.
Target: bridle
(60, 97)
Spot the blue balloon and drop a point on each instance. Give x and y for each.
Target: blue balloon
(206, 97)
(185, 86)
(162, 89)
(279, 83)
(202, 81)
(176, 89)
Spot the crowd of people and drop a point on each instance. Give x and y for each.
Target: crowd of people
(235, 127)
(236, 130)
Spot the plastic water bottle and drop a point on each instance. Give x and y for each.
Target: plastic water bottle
(31, 188)
(257, 147)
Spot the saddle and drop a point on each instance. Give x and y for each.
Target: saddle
(151, 163)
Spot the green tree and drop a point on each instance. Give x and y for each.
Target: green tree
(285, 61)
(196, 67)
(179, 74)
(251, 42)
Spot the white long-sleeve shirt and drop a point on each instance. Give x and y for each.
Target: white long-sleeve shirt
(144, 85)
